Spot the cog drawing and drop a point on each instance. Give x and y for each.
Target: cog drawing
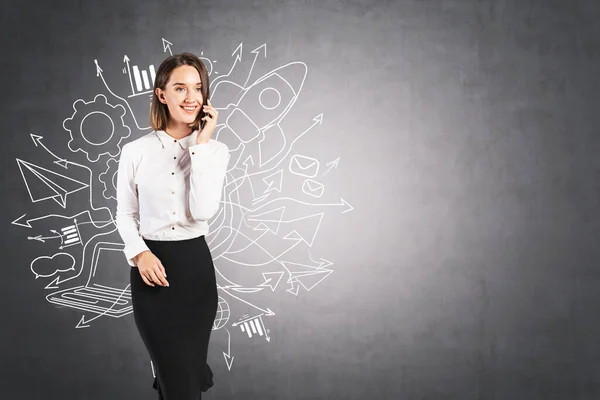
(109, 179)
(90, 131)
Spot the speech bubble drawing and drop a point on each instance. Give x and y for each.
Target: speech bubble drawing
(45, 264)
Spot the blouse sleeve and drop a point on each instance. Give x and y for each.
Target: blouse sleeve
(127, 215)
(208, 168)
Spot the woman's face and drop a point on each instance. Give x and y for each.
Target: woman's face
(182, 95)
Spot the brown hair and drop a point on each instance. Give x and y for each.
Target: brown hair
(159, 113)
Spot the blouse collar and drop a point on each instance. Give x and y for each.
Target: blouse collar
(184, 142)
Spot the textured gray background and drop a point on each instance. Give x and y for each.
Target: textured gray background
(467, 132)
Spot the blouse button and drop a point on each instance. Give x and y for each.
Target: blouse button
(172, 173)
(173, 228)
(174, 158)
(173, 212)
(174, 140)
(172, 192)
(193, 153)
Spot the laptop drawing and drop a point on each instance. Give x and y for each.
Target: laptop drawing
(106, 290)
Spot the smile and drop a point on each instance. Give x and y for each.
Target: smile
(189, 109)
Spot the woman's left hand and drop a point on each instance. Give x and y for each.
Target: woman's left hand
(210, 117)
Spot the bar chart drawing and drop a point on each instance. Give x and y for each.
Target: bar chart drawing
(141, 80)
(253, 326)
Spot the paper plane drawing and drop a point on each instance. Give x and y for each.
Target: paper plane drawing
(43, 184)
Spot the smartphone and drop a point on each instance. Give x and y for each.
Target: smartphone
(201, 115)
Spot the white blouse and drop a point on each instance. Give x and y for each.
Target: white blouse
(167, 189)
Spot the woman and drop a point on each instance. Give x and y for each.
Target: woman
(169, 185)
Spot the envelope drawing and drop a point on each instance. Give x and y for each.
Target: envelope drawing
(313, 188)
(304, 166)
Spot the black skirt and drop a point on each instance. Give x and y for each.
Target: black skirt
(175, 322)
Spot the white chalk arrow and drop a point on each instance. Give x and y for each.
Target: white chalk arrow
(167, 46)
(256, 52)
(228, 358)
(83, 323)
(17, 222)
(238, 58)
(98, 69)
(272, 279)
(126, 60)
(331, 165)
(54, 284)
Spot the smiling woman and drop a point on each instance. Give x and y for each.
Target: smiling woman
(169, 185)
(179, 86)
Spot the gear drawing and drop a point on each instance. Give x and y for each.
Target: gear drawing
(76, 125)
(109, 179)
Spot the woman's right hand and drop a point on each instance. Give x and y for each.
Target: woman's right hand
(151, 269)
